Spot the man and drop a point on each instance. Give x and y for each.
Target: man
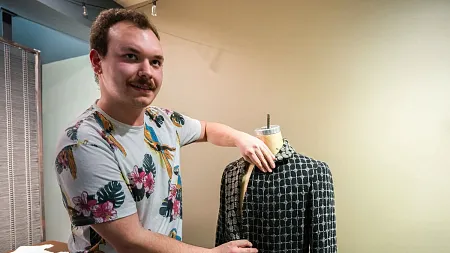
(118, 163)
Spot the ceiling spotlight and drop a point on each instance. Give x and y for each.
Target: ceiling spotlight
(154, 9)
(85, 13)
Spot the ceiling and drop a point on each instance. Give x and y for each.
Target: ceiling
(132, 3)
(57, 28)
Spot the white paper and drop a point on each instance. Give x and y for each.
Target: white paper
(35, 249)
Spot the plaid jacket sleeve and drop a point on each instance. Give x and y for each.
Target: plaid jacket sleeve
(322, 211)
(221, 219)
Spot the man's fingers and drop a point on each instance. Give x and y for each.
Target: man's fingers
(247, 250)
(262, 159)
(250, 160)
(269, 156)
(247, 159)
(272, 155)
(241, 243)
(255, 160)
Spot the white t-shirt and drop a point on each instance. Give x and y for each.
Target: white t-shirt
(108, 170)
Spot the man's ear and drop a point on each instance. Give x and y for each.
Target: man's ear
(95, 58)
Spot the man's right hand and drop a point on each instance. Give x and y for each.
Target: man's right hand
(238, 246)
(128, 235)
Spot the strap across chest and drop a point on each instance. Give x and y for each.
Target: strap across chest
(244, 184)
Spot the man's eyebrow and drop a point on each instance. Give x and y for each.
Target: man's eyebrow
(136, 51)
(159, 57)
(131, 49)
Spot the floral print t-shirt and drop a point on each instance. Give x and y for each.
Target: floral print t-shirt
(108, 170)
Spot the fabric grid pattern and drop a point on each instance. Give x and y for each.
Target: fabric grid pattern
(291, 209)
(20, 203)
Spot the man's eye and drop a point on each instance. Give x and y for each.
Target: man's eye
(131, 56)
(156, 63)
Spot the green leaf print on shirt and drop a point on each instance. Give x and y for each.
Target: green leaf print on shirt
(148, 164)
(72, 132)
(177, 119)
(89, 210)
(142, 180)
(153, 115)
(172, 205)
(113, 193)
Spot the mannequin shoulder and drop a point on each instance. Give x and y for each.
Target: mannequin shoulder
(311, 162)
(235, 165)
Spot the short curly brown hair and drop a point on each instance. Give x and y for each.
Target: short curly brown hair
(107, 18)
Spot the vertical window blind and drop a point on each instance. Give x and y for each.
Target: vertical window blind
(21, 184)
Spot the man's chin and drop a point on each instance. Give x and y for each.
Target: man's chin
(143, 102)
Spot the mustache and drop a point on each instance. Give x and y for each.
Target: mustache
(143, 81)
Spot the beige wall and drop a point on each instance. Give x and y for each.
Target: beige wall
(362, 85)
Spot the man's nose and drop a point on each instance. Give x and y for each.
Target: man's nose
(146, 70)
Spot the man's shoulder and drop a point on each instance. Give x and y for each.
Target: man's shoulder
(87, 127)
(152, 110)
(161, 114)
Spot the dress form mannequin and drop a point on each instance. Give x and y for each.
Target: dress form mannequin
(291, 209)
(272, 137)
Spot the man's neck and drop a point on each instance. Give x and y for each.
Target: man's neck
(123, 113)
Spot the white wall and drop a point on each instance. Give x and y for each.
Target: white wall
(362, 85)
(68, 88)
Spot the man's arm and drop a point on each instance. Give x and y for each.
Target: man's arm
(95, 194)
(252, 149)
(127, 235)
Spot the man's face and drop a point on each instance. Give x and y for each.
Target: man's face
(131, 70)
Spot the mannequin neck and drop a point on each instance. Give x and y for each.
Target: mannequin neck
(273, 141)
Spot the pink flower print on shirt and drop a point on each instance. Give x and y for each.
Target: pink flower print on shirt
(98, 207)
(104, 212)
(172, 205)
(176, 208)
(149, 183)
(167, 111)
(83, 205)
(63, 159)
(173, 192)
(137, 177)
(142, 179)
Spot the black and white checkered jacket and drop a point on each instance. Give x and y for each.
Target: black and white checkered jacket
(291, 209)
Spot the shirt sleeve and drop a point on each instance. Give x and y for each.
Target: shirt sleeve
(92, 185)
(188, 129)
(322, 211)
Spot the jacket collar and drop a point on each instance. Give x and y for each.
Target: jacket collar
(286, 151)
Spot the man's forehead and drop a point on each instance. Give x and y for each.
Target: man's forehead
(126, 33)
